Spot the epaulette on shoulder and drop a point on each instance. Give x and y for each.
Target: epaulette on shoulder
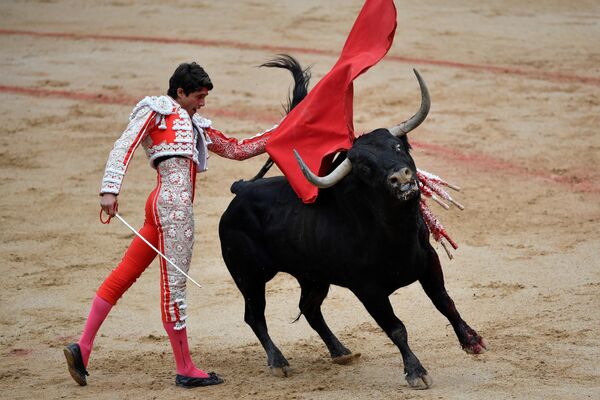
(160, 104)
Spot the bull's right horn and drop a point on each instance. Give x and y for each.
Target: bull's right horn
(325, 181)
(410, 124)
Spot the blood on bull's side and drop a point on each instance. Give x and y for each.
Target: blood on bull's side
(364, 232)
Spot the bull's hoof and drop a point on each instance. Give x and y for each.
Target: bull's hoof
(478, 347)
(419, 382)
(280, 372)
(345, 359)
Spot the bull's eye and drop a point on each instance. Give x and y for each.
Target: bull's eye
(364, 170)
(398, 148)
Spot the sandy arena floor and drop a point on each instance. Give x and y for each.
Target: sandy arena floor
(514, 121)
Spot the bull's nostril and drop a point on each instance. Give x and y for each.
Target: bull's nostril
(394, 180)
(406, 174)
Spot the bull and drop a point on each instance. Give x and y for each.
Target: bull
(364, 232)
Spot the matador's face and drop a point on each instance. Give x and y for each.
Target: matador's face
(192, 102)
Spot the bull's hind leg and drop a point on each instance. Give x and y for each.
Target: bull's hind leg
(255, 317)
(251, 281)
(378, 305)
(311, 298)
(433, 284)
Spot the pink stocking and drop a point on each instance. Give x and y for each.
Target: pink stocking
(98, 312)
(181, 352)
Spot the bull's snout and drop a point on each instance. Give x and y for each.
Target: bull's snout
(403, 184)
(400, 177)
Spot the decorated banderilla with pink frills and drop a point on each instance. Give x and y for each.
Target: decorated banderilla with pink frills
(431, 186)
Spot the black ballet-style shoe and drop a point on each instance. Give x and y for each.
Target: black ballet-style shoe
(75, 363)
(188, 382)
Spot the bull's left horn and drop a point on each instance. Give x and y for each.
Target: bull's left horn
(410, 124)
(325, 181)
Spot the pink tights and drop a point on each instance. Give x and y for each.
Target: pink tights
(98, 312)
(178, 338)
(181, 352)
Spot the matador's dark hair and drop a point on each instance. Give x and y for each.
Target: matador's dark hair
(190, 77)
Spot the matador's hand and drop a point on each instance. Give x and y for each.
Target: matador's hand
(109, 204)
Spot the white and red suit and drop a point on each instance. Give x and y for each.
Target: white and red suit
(177, 147)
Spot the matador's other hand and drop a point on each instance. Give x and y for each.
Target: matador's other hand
(109, 204)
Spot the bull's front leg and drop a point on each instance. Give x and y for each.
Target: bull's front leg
(433, 284)
(380, 308)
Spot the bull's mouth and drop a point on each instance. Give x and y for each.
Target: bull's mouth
(406, 191)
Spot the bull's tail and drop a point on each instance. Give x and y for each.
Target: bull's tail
(301, 78)
(301, 81)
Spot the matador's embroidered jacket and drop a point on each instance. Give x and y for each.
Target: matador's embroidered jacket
(165, 129)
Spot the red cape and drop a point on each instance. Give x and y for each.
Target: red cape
(322, 124)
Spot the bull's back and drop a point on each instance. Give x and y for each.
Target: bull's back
(253, 202)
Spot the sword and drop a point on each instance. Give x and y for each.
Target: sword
(155, 249)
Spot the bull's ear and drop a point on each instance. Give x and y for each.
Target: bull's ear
(405, 142)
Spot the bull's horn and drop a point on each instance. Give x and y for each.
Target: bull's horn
(410, 124)
(326, 181)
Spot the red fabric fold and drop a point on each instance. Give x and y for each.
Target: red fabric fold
(322, 124)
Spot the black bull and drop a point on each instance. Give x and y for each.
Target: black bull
(365, 233)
